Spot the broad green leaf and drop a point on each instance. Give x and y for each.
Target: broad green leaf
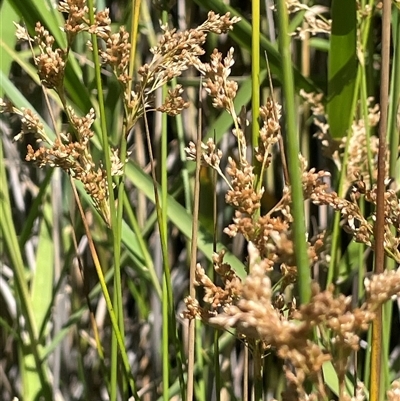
(131, 242)
(44, 11)
(7, 33)
(331, 379)
(34, 209)
(34, 375)
(342, 69)
(42, 279)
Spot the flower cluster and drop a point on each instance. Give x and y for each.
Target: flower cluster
(50, 62)
(216, 297)
(116, 53)
(270, 115)
(242, 195)
(315, 22)
(258, 314)
(174, 103)
(261, 308)
(175, 52)
(356, 223)
(77, 17)
(69, 151)
(223, 91)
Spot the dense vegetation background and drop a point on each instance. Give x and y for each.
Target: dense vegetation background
(100, 296)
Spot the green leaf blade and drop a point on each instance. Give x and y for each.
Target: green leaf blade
(342, 68)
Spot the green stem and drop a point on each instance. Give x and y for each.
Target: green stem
(292, 145)
(255, 83)
(333, 271)
(115, 219)
(107, 298)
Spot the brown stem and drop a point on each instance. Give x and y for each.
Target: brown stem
(376, 351)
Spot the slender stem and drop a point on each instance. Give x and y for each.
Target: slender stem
(258, 372)
(163, 227)
(217, 371)
(379, 266)
(182, 156)
(394, 105)
(103, 123)
(123, 157)
(292, 147)
(246, 355)
(169, 322)
(106, 294)
(117, 237)
(113, 223)
(364, 107)
(193, 260)
(333, 271)
(146, 255)
(255, 82)
(134, 37)
(393, 134)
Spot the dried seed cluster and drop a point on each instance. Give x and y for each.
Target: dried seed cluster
(354, 221)
(260, 310)
(263, 312)
(315, 22)
(253, 309)
(270, 115)
(175, 53)
(70, 151)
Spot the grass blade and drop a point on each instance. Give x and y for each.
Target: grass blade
(342, 69)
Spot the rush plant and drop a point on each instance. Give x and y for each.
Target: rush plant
(217, 217)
